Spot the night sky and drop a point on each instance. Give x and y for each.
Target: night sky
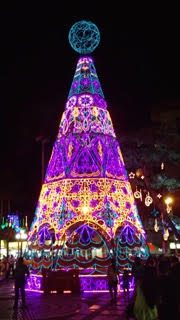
(137, 68)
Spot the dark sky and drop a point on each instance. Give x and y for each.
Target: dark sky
(137, 67)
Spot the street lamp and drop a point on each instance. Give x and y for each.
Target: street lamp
(21, 236)
(168, 201)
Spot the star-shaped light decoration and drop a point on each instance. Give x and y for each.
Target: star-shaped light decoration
(159, 196)
(131, 175)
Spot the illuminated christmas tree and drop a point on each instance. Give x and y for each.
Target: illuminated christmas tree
(86, 211)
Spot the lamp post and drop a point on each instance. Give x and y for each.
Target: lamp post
(168, 201)
(21, 236)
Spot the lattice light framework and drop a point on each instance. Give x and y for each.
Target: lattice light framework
(84, 37)
(86, 200)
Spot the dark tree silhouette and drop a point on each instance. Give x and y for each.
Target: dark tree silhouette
(154, 156)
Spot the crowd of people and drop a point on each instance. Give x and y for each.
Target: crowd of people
(7, 266)
(157, 287)
(16, 269)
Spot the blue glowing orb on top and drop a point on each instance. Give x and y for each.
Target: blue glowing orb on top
(84, 37)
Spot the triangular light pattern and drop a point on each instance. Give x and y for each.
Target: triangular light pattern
(86, 192)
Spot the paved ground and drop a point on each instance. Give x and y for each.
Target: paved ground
(94, 306)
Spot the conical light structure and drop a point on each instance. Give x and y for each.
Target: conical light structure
(86, 209)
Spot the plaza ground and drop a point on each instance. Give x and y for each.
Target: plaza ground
(87, 306)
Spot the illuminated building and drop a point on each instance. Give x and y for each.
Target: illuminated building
(13, 235)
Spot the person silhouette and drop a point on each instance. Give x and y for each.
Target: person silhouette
(112, 280)
(20, 273)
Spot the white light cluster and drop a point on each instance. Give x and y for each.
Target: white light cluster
(22, 235)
